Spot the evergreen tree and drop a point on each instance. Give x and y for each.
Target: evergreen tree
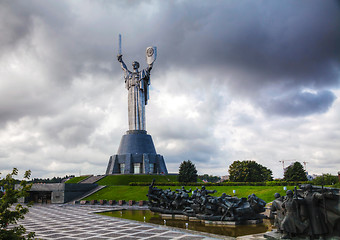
(187, 172)
(10, 214)
(295, 172)
(249, 171)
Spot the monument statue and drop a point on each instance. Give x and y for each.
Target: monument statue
(291, 222)
(137, 83)
(136, 153)
(310, 212)
(204, 206)
(277, 211)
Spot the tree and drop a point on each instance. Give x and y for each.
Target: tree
(52, 180)
(326, 179)
(187, 172)
(295, 172)
(10, 214)
(249, 171)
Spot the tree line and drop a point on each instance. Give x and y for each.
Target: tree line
(52, 180)
(251, 171)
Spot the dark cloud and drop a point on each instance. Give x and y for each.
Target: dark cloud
(58, 69)
(200, 150)
(249, 45)
(17, 20)
(252, 46)
(300, 103)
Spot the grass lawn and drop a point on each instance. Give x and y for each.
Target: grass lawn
(77, 179)
(139, 192)
(127, 178)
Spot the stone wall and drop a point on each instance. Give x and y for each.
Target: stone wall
(59, 192)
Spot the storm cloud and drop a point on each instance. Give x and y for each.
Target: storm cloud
(301, 103)
(233, 80)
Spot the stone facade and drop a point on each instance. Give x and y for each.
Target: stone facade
(57, 192)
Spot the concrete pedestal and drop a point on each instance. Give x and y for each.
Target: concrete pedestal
(136, 155)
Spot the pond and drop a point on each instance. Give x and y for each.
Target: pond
(226, 230)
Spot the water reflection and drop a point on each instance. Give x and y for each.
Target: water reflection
(155, 218)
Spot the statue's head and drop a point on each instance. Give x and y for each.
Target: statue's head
(135, 65)
(289, 193)
(277, 195)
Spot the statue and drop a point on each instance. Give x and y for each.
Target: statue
(153, 193)
(314, 202)
(137, 153)
(204, 195)
(312, 211)
(257, 204)
(137, 83)
(291, 223)
(204, 206)
(276, 211)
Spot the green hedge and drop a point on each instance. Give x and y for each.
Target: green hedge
(269, 183)
(285, 183)
(126, 179)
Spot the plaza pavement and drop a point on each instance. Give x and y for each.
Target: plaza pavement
(79, 222)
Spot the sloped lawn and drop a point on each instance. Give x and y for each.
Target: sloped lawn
(139, 192)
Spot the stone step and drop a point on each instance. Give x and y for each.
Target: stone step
(89, 193)
(92, 179)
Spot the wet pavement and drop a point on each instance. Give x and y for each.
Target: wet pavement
(79, 222)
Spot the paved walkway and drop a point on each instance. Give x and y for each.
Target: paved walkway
(78, 222)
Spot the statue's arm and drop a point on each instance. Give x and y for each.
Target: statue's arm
(122, 64)
(149, 68)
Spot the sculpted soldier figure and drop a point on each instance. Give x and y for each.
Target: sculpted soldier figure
(318, 223)
(205, 194)
(312, 212)
(276, 211)
(225, 207)
(288, 223)
(202, 205)
(291, 223)
(153, 194)
(257, 204)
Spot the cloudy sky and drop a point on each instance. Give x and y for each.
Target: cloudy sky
(234, 80)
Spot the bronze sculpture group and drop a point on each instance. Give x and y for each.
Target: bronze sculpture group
(310, 211)
(204, 206)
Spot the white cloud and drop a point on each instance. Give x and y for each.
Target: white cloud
(225, 86)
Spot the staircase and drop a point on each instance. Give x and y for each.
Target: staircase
(89, 193)
(92, 179)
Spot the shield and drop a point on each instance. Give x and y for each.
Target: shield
(151, 54)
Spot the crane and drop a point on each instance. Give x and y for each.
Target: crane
(283, 163)
(305, 163)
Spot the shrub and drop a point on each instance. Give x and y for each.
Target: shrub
(10, 214)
